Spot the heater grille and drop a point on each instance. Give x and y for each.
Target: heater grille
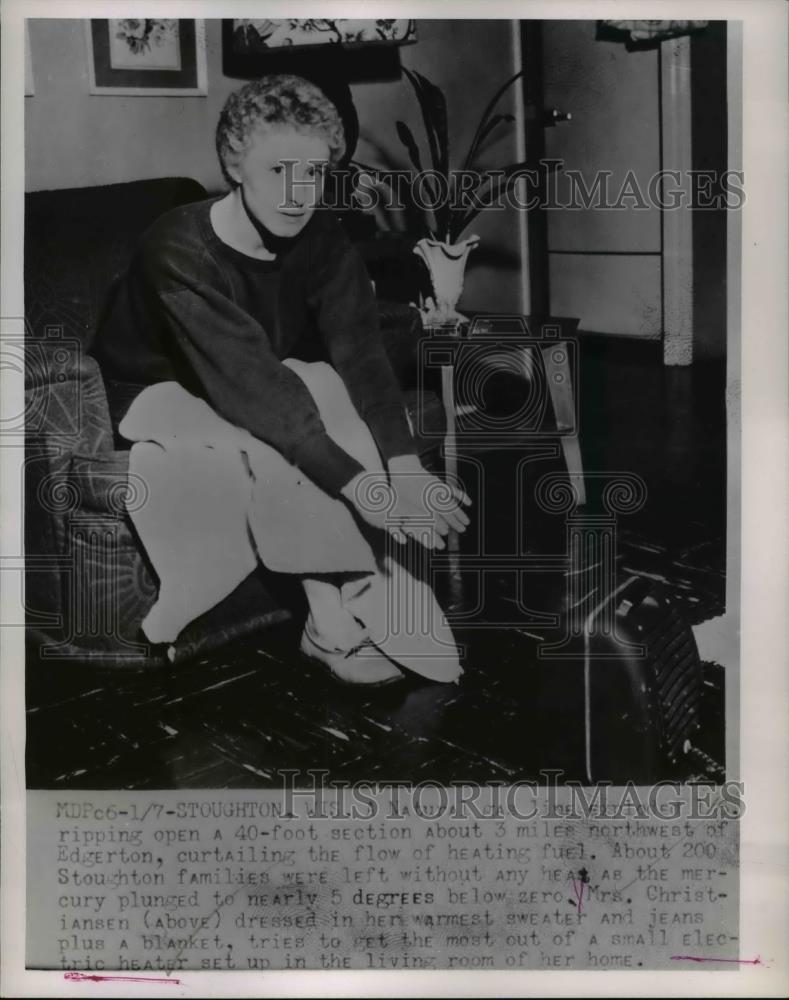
(643, 685)
(674, 660)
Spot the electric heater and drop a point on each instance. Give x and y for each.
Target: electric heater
(642, 685)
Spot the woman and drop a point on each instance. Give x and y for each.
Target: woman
(243, 300)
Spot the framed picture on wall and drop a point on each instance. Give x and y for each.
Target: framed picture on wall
(153, 57)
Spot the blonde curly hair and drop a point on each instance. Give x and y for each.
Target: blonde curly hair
(272, 101)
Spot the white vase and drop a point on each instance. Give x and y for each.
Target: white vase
(446, 263)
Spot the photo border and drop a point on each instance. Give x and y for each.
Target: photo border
(763, 533)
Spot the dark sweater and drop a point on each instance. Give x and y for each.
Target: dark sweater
(193, 310)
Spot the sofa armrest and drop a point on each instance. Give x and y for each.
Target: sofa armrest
(59, 486)
(103, 483)
(65, 401)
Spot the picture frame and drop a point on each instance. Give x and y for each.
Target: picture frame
(145, 57)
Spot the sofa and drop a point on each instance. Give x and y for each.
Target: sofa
(88, 583)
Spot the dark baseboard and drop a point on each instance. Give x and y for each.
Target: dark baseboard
(640, 350)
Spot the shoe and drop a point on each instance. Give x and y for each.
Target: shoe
(404, 621)
(364, 664)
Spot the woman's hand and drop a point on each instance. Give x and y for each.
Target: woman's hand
(445, 500)
(409, 503)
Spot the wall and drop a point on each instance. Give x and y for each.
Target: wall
(604, 265)
(708, 94)
(75, 139)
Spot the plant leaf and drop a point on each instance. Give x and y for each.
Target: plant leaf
(438, 103)
(408, 140)
(493, 123)
(487, 113)
(464, 217)
(458, 212)
(433, 106)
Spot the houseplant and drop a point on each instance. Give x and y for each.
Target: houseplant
(457, 196)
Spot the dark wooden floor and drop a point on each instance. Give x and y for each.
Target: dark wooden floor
(236, 718)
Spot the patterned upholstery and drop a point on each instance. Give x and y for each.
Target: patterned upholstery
(88, 581)
(64, 395)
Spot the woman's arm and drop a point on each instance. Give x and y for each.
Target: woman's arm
(230, 356)
(422, 507)
(347, 316)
